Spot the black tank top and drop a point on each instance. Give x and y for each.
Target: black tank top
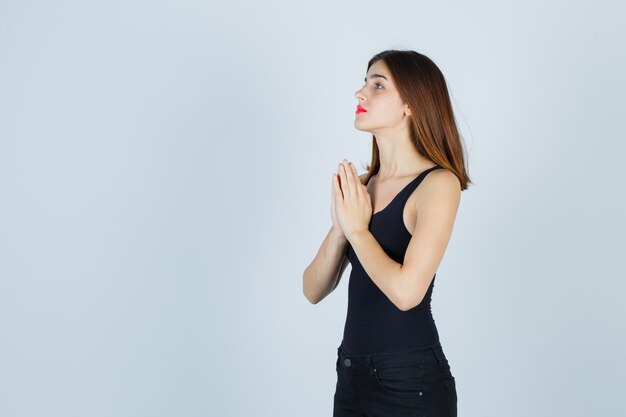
(373, 322)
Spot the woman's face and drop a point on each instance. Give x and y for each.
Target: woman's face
(380, 98)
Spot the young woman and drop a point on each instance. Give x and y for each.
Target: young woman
(393, 224)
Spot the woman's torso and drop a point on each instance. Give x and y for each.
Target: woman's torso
(373, 322)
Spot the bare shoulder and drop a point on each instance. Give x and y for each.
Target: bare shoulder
(439, 185)
(444, 178)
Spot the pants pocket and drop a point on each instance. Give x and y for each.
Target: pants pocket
(401, 379)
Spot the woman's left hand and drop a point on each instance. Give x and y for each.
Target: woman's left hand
(352, 201)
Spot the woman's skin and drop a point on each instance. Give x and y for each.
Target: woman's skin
(429, 214)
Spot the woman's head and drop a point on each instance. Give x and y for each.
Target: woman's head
(406, 90)
(382, 104)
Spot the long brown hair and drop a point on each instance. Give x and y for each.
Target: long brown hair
(432, 127)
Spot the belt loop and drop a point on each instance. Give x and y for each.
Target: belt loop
(438, 354)
(372, 367)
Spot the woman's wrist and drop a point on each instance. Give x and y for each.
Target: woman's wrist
(337, 235)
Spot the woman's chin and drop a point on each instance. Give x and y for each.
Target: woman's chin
(359, 126)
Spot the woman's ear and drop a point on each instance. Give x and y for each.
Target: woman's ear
(407, 110)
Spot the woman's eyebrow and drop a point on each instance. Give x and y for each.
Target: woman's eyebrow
(376, 76)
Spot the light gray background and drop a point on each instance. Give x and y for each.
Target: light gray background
(165, 178)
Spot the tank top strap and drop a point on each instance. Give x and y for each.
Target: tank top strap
(416, 182)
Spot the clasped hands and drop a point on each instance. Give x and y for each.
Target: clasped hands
(351, 203)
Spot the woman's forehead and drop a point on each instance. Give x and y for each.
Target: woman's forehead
(378, 70)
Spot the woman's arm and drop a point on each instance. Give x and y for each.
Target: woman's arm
(405, 284)
(322, 275)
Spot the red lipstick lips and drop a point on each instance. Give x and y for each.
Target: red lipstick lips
(360, 109)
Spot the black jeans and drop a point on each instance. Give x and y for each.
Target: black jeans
(415, 382)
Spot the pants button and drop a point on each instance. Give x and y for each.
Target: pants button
(347, 362)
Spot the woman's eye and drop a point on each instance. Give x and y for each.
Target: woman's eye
(375, 85)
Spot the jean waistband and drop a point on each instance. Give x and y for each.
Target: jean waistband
(416, 356)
